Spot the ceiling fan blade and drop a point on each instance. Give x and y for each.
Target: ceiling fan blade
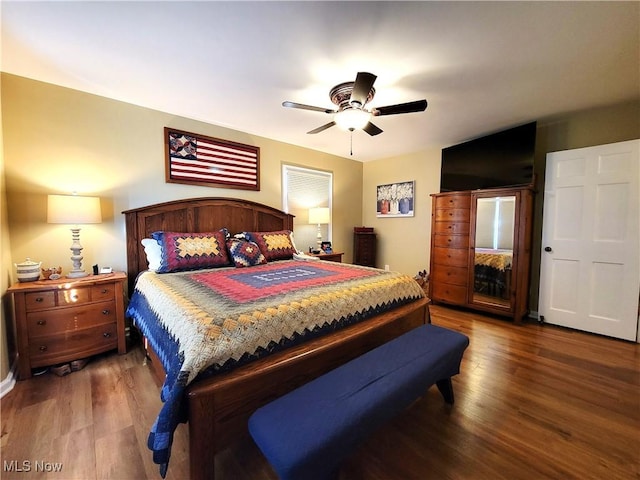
(322, 128)
(307, 107)
(361, 88)
(371, 129)
(409, 107)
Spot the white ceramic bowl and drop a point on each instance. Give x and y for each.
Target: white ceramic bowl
(28, 271)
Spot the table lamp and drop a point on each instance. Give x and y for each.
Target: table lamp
(74, 210)
(319, 216)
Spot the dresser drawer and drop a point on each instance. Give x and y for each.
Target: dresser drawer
(458, 257)
(75, 296)
(450, 274)
(73, 345)
(451, 228)
(453, 215)
(51, 322)
(39, 300)
(451, 241)
(445, 292)
(453, 201)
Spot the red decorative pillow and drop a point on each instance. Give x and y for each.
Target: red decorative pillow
(192, 251)
(276, 245)
(245, 253)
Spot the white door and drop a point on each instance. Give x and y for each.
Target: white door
(590, 262)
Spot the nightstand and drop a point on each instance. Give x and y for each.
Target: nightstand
(329, 257)
(58, 321)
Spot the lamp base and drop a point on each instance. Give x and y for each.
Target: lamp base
(79, 274)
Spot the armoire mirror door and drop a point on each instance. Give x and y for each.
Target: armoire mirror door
(493, 250)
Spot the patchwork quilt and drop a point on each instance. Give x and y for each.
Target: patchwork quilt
(205, 321)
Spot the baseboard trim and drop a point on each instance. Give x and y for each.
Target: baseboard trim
(9, 382)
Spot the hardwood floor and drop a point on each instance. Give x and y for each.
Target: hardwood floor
(532, 402)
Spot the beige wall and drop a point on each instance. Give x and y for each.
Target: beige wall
(403, 243)
(5, 269)
(58, 140)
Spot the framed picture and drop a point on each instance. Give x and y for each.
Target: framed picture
(395, 200)
(326, 247)
(200, 160)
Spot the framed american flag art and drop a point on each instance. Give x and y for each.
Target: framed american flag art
(200, 160)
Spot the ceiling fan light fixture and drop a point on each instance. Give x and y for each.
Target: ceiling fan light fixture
(352, 119)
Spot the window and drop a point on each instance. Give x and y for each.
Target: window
(302, 189)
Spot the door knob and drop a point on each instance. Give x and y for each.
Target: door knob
(548, 249)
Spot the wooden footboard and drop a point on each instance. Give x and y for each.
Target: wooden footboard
(219, 407)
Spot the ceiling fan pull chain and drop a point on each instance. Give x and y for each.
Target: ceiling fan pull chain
(351, 145)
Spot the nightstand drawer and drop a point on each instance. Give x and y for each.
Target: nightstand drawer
(39, 300)
(68, 320)
(73, 345)
(75, 296)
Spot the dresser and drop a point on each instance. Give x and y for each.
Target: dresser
(364, 246)
(450, 225)
(57, 321)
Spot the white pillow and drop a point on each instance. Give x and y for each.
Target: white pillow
(153, 250)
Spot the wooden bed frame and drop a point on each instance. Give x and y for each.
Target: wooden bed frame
(219, 406)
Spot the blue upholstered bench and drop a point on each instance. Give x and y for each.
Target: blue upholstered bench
(307, 433)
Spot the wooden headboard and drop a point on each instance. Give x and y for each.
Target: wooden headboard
(196, 215)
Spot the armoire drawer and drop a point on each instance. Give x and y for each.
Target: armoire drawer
(453, 201)
(451, 241)
(452, 228)
(446, 292)
(458, 257)
(450, 274)
(453, 215)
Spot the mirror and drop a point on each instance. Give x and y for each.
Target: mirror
(493, 254)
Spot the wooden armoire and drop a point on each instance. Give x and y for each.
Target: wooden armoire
(481, 249)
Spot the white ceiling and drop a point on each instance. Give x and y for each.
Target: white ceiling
(482, 66)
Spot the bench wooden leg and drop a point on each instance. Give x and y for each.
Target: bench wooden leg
(446, 389)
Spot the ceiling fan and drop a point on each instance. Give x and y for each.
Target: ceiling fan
(351, 99)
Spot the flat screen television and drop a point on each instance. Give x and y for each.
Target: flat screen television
(502, 159)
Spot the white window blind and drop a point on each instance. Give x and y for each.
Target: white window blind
(302, 189)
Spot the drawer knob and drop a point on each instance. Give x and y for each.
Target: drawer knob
(39, 300)
(106, 312)
(43, 348)
(42, 322)
(106, 335)
(104, 290)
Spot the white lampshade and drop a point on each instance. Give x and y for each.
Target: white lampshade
(352, 119)
(319, 215)
(73, 209)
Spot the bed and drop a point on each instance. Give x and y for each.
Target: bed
(218, 405)
(492, 271)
